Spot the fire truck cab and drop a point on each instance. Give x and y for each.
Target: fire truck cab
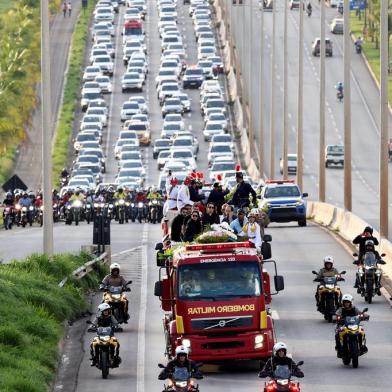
(214, 297)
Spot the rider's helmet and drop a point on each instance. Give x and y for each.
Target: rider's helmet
(77, 193)
(369, 245)
(347, 299)
(182, 350)
(279, 346)
(104, 309)
(368, 229)
(114, 266)
(153, 189)
(9, 195)
(120, 190)
(328, 262)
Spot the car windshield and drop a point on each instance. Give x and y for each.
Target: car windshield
(282, 372)
(214, 126)
(222, 166)
(282, 191)
(194, 72)
(219, 280)
(222, 139)
(182, 142)
(335, 150)
(220, 148)
(90, 95)
(182, 154)
(162, 143)
(292, 159)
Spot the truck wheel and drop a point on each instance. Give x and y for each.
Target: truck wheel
(302, 223)
(326, 164)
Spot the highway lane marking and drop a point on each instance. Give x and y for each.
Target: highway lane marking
(126, 251)
(141, 347)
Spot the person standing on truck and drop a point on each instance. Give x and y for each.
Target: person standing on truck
(243, 190)
(252, 230)
(239, 222)
(178, 222)
(193, 227)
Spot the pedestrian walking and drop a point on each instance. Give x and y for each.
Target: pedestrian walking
(65, 8)
(69, 8)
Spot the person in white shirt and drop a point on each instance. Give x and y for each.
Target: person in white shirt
(251, 229)
(183, 197)
(172, 192)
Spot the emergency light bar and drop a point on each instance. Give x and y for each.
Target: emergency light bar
(280, 182)
(220, 245)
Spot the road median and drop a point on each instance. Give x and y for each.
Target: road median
(33, 310)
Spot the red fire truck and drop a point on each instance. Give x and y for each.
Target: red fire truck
(214, 297)
(133, 29)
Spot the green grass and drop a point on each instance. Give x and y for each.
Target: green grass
(5, 5)
(71, 93)
(369, 49)
(33, 309)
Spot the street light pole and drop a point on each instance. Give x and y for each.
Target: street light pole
(46, 131)
(347, 108)
(322, 105)
(384, 213)
(273, 94)
(261, 95)
(249, 87)
(285, 94)
(300, 154)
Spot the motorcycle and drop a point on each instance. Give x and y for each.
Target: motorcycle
(74, 212)
(56, 212)
(132, 212)
(349, 334)
(281, 380)
(309, 12)
(88, 212)
(115, 297)
(369, 276)
(40, 216)
(109, 211)
(140, 211)
(181, 380)
(154, 212)
(8, 217)
(358, 48)
(339, 96)
(104, 344)
(329, 295)
(121, 207)
(63, 181)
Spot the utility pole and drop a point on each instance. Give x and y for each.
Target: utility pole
(347, 108)
(384, 44)
(285, 94)
(249, 87)
(273, 94)
(46, 131)
(322, 105)
(261, 95)
(300, 153)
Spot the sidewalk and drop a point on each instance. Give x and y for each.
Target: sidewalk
(29, 158)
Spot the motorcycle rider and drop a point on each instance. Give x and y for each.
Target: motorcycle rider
(358, 44)
(9, 200)
(104, 318)
(348, 310)
(339, 88)
(361, 239)
(25, 200)
(64, 173)
(369, 247)
(327, 271)
(116, 280)
(181, 360)
(77, 196)
(309, 9)
(154, 194)
(280, 358)
(120, 194)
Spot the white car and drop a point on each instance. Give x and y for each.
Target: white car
(166, 74)
(132, 13)
(105, 63)
(218, 118)
(185, 142)
(205, 52)
(91, 72)
(99, 112)
(98, 52)
(129, 109)
(167, 90)
(90, 86)
(291, 164)
(217, 150)
(141, 102)
(172, 64)
(105, 84)
(176, 119)
(120, 144)
(104, 14)
(131, 81)
(211, 129)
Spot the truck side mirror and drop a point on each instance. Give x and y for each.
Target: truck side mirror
(158, 289)
(266, 250)
(279, 282)
(159, 246)
(300, 363)
(314, 273)
(267, 238)
(160, 259)
(305, 194)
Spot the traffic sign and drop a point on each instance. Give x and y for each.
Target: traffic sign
(358, 5)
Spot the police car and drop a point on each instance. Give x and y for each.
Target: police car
(283, 201)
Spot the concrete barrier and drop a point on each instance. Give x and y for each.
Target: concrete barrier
(351, 226)
(325, 213)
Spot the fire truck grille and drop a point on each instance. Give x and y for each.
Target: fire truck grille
(222, 323)
(222, 345)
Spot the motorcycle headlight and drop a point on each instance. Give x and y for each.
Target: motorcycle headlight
(96, 205)
(155, 202)
(105, 338)
(132, 204)
(181, 384)
(18, 207)
(140, 204)
(116, 203)
(88, 206)
(329, 286)
(68, 207)
(24, 209)
(116, 296)
(110, 205)
(353, 327)
(41, 208)
(31, 208)
(77, 203)
(282, 382)
(121, 202)
(54, 205)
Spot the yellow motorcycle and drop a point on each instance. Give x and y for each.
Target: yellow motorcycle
(116, 298)
(329, 294)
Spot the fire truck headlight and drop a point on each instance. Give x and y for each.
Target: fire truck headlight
(186, 343)
(259, 339)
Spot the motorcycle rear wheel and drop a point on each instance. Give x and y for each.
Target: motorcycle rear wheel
(104, 364)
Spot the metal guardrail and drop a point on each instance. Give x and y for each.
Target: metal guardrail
(87, 268)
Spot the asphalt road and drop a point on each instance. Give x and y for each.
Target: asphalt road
(365, 103)
(297, 252)
(29, 159)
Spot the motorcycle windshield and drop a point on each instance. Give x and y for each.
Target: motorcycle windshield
(282, 372)
(104, 331)
(181, 374)
(352, 321)
(115, 290)
(330, 280)
(370, 260)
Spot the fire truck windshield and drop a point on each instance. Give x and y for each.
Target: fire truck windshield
(219, 280)
(133, 30)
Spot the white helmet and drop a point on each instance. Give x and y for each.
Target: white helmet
(102, 307)
(279, 346)
(181, 350)
(348, 297)
(114, 266)
(328, 259)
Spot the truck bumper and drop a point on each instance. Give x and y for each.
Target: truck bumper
(241, 346)
(287, 214)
